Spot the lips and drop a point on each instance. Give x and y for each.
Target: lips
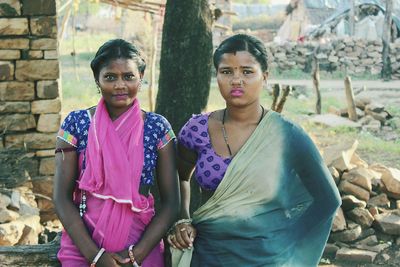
(120, 96)
(236, 92)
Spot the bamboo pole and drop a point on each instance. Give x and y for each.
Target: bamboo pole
(351, 106)
(275, 94)
(282, 101)
(387, 70)
(316, 80)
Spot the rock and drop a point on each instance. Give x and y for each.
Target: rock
(391, 180)
(14, 43)
(350, 202)
(44, 26)
(47, 89)
(374, 107)
(373, 126)
(335, 174)
(361, 217)
(380, 200)
(4, 201)
(332, 120)
(48, 123)
(10, 233)
(359, 176)
(17, 91)
(371, 240)
(46, 106)
(9, 54)
(356, 255)
(394, 122)
(29, 237)
(10, 8)
(330, 249)
(8, 215)
(377, 248)
(365, 120)
(339, 222)
(15, 107)
(357, 161)
(352, 189)
(347, 235)
(30, 70)
(6, 70)
(339, 156)
(15, 197)
(388, 223)
(31, 140)
(39, 7)
(14, 26)
(17, 122)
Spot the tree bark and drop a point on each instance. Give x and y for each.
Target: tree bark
(276, 89)
(351, 106)
(282, 101)
(387, 69)
(185, 63)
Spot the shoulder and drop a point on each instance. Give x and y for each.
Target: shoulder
(81, 116)
(156, 120)
(197, 120)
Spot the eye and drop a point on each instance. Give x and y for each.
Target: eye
(130, 77)
(109, 77)
(225, 71)
(247, 72)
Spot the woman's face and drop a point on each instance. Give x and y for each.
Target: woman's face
(240, 78)
(119, 82)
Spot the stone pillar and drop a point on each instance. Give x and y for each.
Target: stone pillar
(29, 94)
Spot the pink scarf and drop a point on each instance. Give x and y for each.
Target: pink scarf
(114, 162)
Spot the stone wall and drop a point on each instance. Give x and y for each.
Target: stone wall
(357, 56)
(29, 96)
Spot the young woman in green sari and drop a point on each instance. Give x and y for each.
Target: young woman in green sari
(267, 196)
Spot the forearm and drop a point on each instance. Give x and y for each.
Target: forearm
(185, 199)
(156, 230)
(76, 229)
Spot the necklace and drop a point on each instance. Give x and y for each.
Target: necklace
(224, 130)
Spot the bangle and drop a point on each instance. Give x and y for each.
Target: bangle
(132, 257)
(187, 221)
(97, 257)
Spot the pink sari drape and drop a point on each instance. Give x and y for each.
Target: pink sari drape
(116, 213)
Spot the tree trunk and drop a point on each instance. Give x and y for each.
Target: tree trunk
(387, 69)
(185, 63)
(351, 106)
(352, 17)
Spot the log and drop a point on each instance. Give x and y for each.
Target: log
(31, 255)
(351, 106)
(282, 101)
(275, 94)
(316, 80)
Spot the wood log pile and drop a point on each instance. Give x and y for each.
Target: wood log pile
(356, 56)
(368, 221)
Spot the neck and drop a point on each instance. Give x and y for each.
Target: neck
(249, 114)
(116, 112)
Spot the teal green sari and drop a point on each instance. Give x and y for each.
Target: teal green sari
(274, 206)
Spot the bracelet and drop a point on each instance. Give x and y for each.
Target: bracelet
(97, 257)
(187, 221)
(132, 257)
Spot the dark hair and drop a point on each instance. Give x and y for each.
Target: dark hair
(242, 42)
(115, 49)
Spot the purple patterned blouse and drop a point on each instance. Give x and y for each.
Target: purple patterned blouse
(210, 167)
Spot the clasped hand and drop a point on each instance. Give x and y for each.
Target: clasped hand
(182, 236)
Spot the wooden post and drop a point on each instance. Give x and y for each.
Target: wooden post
(351, 106)
(282, 101)
(316, 79)
(275, 94)
(153, 60)
(387, 70)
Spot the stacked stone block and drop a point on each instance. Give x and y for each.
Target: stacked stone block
(355, 56)
(29, 96)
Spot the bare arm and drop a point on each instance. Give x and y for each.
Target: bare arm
(169, 192)
(64, 183)
(184, 233)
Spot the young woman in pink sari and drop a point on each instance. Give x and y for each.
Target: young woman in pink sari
(105, 160)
